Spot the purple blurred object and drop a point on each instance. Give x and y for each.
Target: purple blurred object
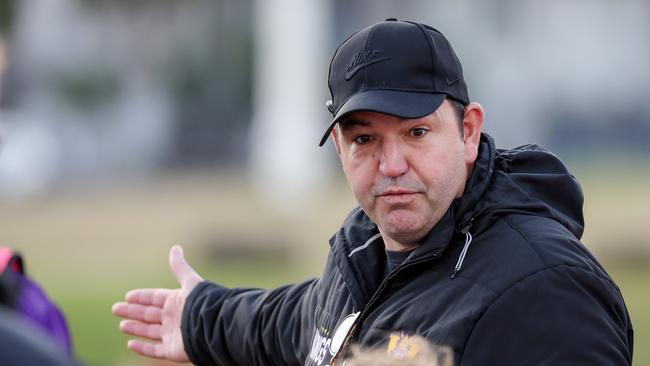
(30, 301)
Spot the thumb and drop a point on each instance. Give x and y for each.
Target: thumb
(185, 275)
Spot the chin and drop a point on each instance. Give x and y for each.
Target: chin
(405, 229)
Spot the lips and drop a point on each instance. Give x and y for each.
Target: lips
(396, 192)
(397, 195)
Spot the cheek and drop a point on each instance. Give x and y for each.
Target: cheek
(443, 169)
(360, 178)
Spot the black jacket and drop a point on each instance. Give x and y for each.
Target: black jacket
(525, 292)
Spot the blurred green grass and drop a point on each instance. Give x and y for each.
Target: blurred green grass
(88, 248)
(96, 337)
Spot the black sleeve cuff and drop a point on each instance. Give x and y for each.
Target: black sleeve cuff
(192, 325)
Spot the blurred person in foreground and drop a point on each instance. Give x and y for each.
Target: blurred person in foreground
(418, 352)
(33, 331)
(464, 244)
(24, 345)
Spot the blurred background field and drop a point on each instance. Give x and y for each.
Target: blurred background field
(130, 126)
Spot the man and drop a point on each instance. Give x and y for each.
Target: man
(469, 246)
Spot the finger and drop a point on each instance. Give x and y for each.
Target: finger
(139, 329)
(185, 274)
(154, 350)
(149, 314)
(148, 296)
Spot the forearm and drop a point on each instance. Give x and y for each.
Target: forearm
(245, 326)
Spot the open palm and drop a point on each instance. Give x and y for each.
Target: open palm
(155, 314)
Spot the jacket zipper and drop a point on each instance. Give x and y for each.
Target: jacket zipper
(353, 330)
(373, 299)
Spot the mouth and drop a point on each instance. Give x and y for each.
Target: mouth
(396, 192)
(397, 195)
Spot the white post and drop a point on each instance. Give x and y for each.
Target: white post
(291, 64)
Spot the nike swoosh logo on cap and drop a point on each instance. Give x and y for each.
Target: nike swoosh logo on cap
(451, 82)
(350, 73)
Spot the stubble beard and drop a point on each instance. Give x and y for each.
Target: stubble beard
(407, 226)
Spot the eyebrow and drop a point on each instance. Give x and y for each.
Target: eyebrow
(348, 122)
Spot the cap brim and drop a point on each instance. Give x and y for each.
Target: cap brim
(395, 103)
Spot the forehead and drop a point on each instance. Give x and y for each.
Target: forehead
(368, 118)
(364, 118)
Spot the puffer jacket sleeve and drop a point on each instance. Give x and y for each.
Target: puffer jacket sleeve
(563, 315)
(223, 326)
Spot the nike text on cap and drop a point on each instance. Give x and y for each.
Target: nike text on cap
(404, 69)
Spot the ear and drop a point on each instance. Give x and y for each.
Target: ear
(472, 126)
(335, 138)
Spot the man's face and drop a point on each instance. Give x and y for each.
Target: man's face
(404, 172)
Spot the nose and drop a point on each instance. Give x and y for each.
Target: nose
(393, 160)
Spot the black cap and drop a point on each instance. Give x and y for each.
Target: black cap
(405, 69)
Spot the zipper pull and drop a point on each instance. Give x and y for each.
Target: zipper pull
(463, 253)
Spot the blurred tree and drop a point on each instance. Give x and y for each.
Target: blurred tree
(212, 86)
(7, 9)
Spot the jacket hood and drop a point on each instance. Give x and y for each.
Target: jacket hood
(526, 180)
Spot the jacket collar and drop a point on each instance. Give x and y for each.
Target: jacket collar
(465, 208)
(462, 210)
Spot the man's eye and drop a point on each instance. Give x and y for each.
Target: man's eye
(362, 139)
(418, 132)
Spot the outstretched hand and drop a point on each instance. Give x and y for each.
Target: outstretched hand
(155, 314)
